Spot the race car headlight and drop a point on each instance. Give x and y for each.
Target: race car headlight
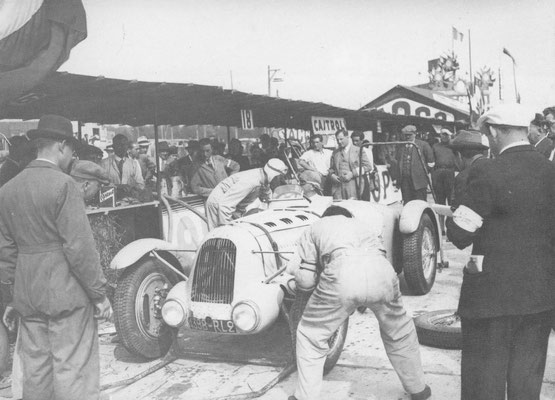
(245, 316)
(173, 313)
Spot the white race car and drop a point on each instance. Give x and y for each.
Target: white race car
(233, 286)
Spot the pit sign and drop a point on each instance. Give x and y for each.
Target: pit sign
(326, 125)
(247, 121)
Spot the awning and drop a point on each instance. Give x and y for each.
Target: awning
(130, 102)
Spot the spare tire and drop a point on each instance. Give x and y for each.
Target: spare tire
(440, 329)
(420, 257)
(336, 341)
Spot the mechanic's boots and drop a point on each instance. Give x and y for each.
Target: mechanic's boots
(423, 395)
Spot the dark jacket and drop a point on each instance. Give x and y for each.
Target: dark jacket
(417, 173)
(8, 170)
(545, 147)
(46, 237)
(515, 195)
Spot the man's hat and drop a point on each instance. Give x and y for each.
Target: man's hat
(193, 144)
(409, 130)
(90, 171)
(508, 115)
(88, 149)
(446, 131)
(163, 146)
(468, 140)
(143, 141)
(54, 127)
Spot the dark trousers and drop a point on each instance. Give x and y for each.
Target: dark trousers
(504, 355)
(410, 193)
(443, 181)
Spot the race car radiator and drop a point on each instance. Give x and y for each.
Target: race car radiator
(214, 276)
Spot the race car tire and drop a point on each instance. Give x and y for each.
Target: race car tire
(4, 348)
(140, 332)
(420, 257)
(436, 329)
(336, 342)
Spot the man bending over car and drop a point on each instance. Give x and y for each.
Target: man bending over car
(345, 261)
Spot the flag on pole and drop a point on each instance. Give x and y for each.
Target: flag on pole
(505, 51)
(36, 37)
(457, 35)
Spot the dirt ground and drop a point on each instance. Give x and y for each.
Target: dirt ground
(363, 371)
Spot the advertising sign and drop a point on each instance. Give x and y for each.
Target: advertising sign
(327, 126)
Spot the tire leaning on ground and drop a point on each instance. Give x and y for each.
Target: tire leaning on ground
(420, 257)
(440, 329)
(336, 342)
(139, 330)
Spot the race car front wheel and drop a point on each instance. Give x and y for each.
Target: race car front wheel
(336, 341)
(140, 328)
(420, 257)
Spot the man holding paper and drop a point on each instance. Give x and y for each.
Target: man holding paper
(507, 297)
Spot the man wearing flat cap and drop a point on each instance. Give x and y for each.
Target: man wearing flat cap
(414, 162)
(89, 177)
(59, 284)
(507, 299)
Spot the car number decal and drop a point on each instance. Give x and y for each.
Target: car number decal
(212, 325)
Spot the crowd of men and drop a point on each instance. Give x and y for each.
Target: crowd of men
(504, 194)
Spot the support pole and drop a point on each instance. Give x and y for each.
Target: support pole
(79, 130)
(228, 136)
(470, 63)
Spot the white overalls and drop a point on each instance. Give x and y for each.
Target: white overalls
(355, 273)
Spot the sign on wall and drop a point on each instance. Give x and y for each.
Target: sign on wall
(327, 126)
(247, 121)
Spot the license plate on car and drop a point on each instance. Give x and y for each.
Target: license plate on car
(212, 325)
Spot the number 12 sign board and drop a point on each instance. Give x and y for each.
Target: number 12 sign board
(246, 119)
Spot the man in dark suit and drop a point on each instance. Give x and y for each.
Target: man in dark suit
(537, 133)
(414, 162)
(507, 296)
(345, 168)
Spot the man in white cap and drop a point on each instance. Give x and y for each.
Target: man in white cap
(229, 199)
(507, 298)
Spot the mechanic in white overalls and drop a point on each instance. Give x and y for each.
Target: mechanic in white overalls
(229, 199)
(350, 259)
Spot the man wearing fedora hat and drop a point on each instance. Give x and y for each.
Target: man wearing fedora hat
(59, 284)
(469, 148)
(507, 299)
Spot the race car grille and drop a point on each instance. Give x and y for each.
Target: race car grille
(214, 275)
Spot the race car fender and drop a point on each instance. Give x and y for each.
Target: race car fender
(411, 214)
(134, 251)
